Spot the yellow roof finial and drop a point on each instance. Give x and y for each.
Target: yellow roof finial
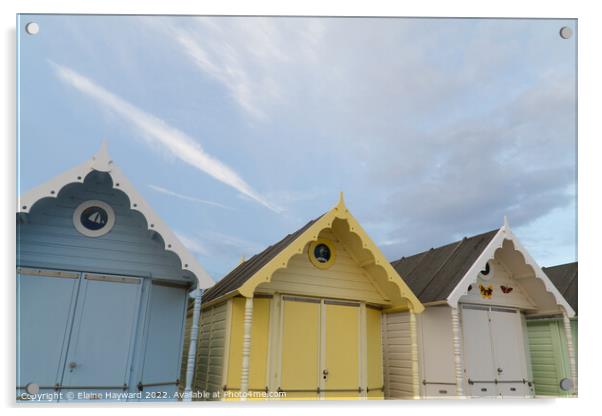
(341, 203)
(242, 260)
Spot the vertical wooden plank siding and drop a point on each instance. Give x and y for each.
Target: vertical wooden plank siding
(399, 366)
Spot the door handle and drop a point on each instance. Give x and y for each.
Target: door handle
(499, 371)
(72, 366)
(325, 373)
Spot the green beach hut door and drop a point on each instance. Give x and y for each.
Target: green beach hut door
(99, 355)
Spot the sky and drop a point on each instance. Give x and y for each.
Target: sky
(239, 130)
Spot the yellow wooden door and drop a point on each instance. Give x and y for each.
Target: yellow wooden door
(340, 372)
(300, 347)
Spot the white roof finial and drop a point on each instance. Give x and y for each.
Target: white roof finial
(506, 224)
(101, 161)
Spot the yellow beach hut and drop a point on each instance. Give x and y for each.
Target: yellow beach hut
(302, 319)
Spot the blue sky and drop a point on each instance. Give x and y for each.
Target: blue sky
(240, 130)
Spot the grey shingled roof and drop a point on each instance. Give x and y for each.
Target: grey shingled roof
(244, 271)
(433, 274)
(564, 277)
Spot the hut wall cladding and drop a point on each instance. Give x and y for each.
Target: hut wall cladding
(397, 344)
(345, 279)
(48, 238)
(211, 346)
(549, 356)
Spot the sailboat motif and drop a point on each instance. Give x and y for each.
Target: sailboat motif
(96, 218)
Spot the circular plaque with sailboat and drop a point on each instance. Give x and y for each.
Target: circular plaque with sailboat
(93, 218)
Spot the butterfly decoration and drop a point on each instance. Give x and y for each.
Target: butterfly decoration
(506, 289)
(486, 292)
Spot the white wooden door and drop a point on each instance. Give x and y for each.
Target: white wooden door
(478, 352)
(509, 352)
(438, 369)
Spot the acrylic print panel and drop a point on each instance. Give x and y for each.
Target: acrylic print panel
(157, 154)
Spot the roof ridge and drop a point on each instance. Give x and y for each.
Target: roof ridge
(576, 262)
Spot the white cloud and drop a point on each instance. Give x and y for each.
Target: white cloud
(158, 132)
(214, 244)
(187, 197)
(250, 57)
(193, 244)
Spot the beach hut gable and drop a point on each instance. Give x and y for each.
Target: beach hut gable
(536, 284)
(258, 272)
(103, 163)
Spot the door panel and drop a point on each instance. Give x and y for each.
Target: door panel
(300, 348)
(107, 310)
(478, 352)
(342, 351)
(164, 341)
(44, 309)
(509, 352)
(435, 324)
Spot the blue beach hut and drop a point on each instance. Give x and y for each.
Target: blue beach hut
(102, 290)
